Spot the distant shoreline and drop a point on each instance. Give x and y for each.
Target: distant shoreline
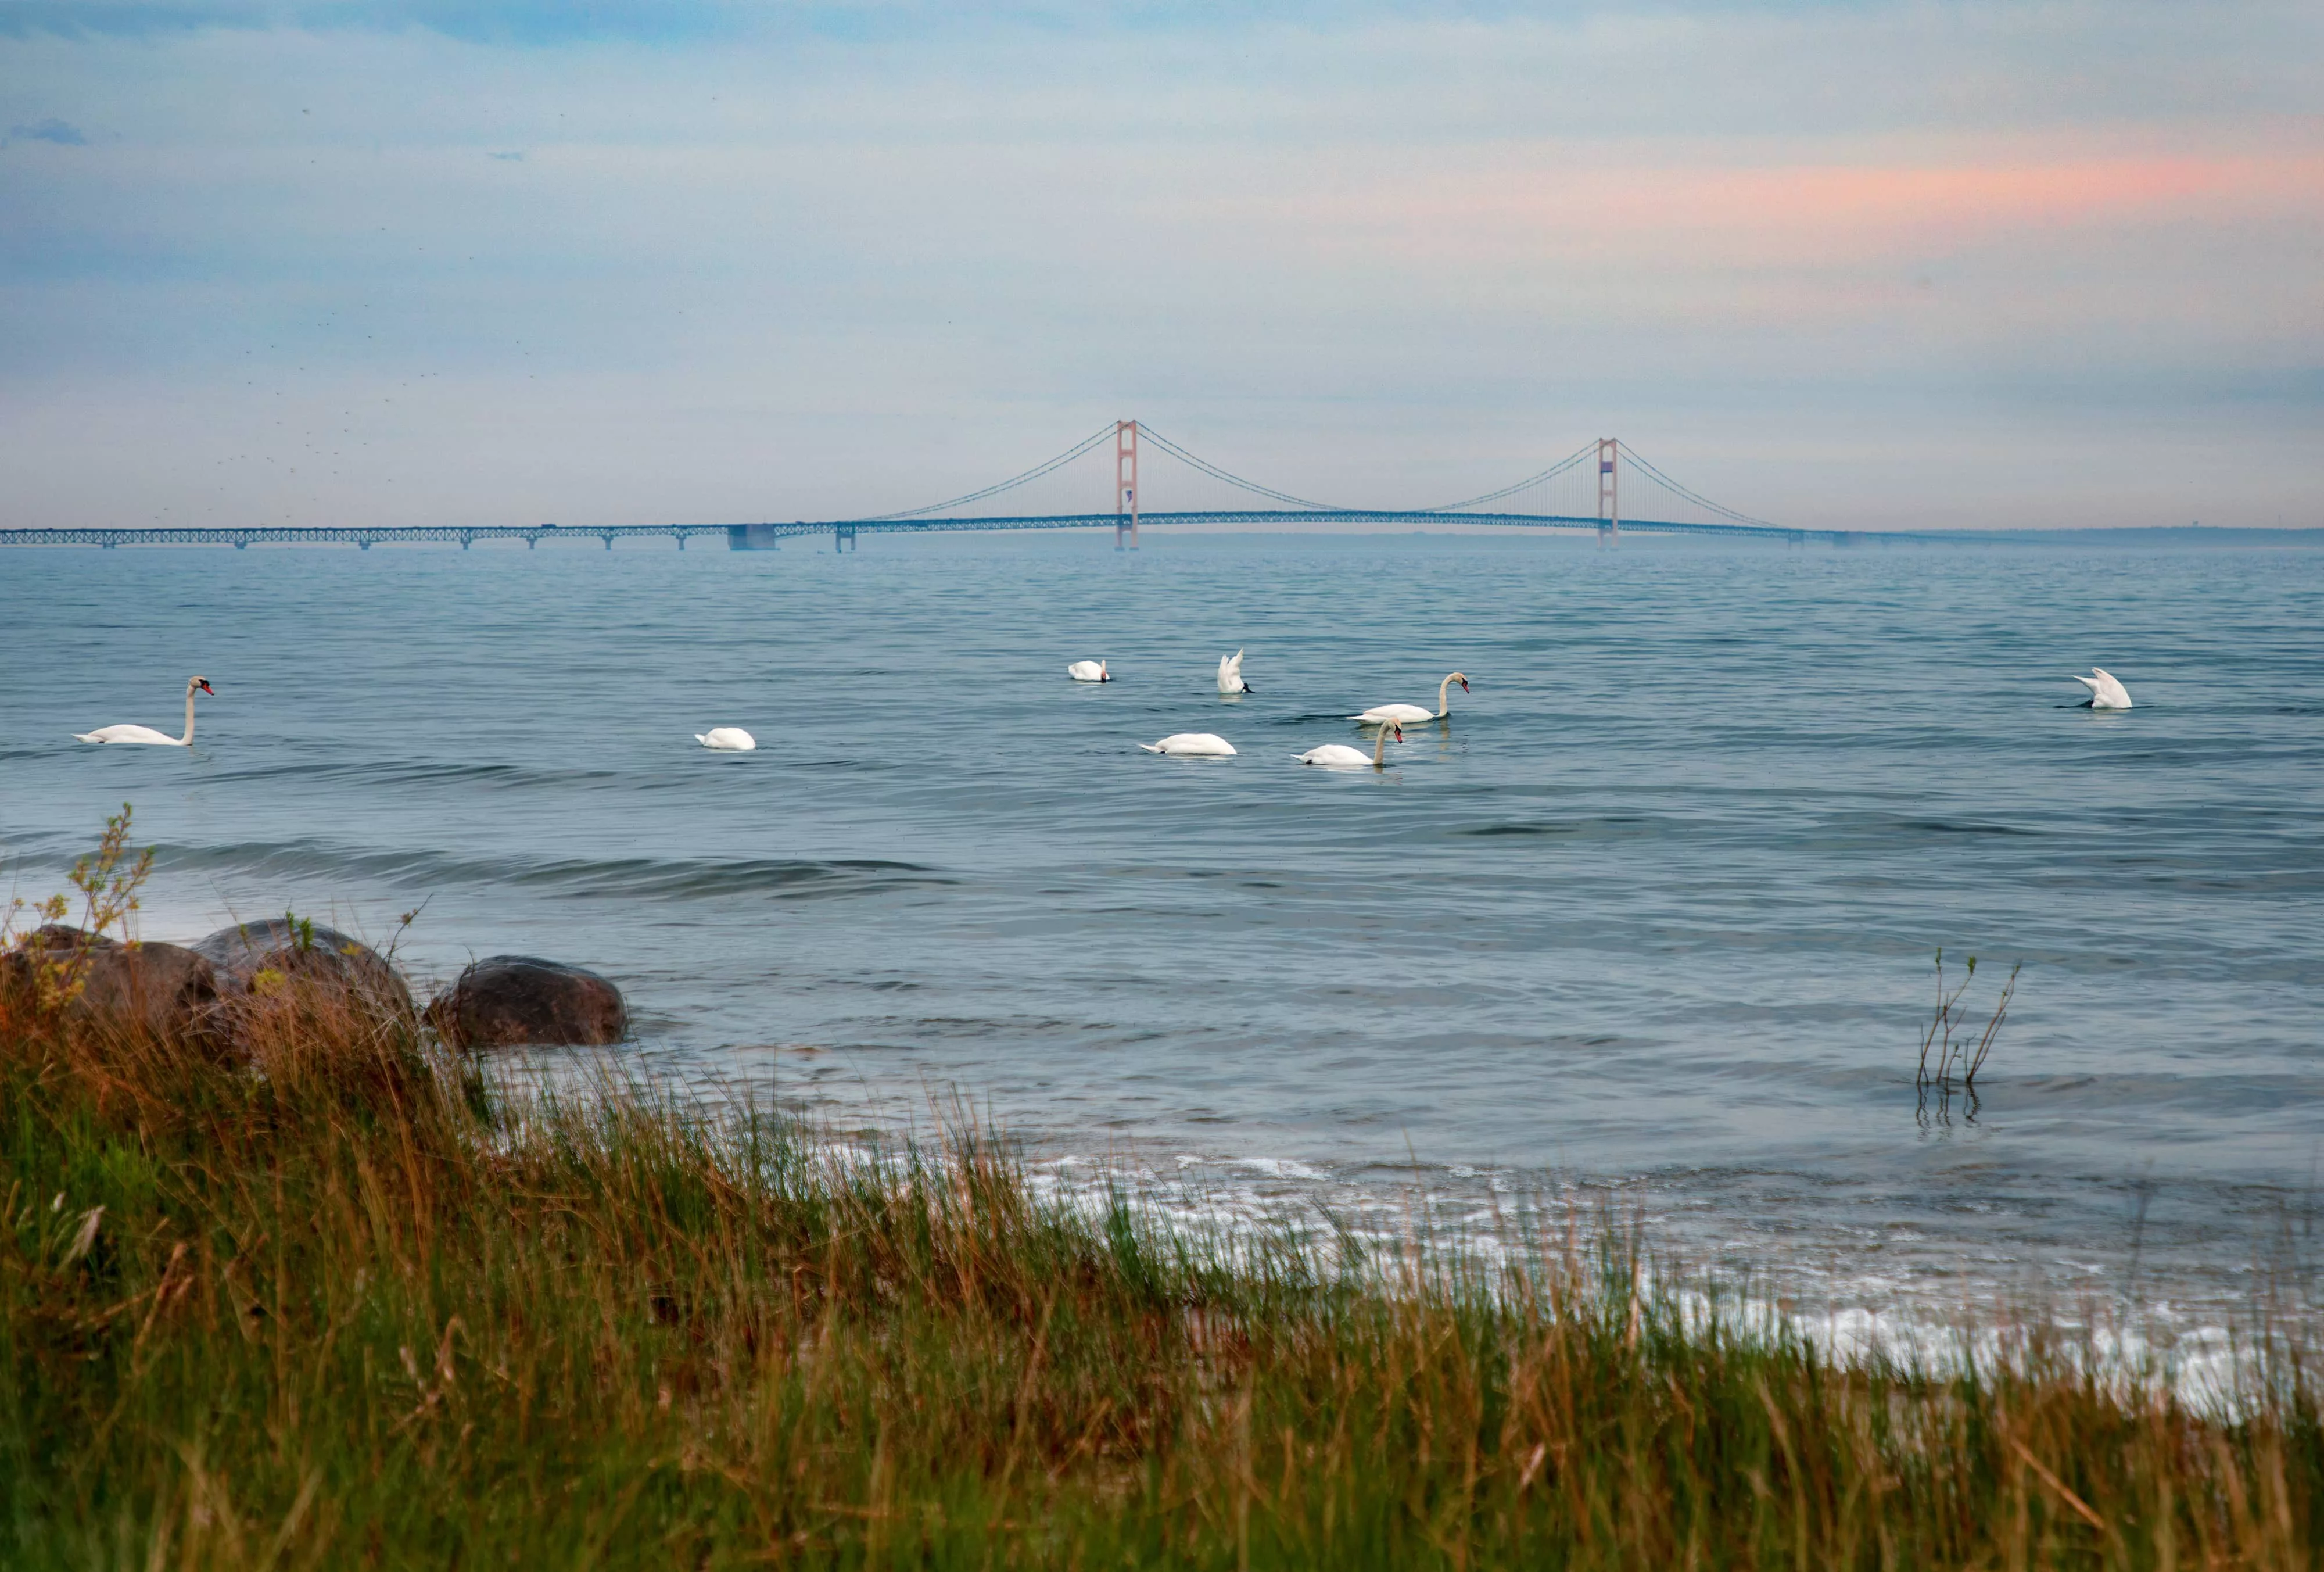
(2158, 535)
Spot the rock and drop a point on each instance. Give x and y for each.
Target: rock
(57, 936)
(160, 989)
(163, 989)
(504, 1001)
(261, 958)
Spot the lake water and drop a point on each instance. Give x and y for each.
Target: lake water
(1652, 916)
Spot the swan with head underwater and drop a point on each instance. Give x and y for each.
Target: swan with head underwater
(1231, 675)
(727, 739)
(2106, 692)
(146, 733)
(1191, 746)
(1339, 756)
(1412, 714)
(1089, 671)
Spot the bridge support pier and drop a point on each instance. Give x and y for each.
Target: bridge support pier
(1609, 492)
(1125, 482)
(843, 539)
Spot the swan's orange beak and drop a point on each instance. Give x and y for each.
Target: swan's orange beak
(205, 688)
(1464, 685)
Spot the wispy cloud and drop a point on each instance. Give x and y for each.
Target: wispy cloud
(49, 130)
(496, 21)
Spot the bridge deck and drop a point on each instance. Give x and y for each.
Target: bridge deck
(367, 536)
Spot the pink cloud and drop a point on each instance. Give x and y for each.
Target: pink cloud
(1561, 204)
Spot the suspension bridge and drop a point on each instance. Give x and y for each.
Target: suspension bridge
(1601, 485)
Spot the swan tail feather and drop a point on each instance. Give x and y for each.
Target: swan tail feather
(87, 737)
(1152, 747)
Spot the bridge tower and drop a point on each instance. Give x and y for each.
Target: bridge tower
(1125, 482)
(1609, 490)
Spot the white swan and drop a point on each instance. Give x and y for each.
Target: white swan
(1191, 746)
(146, 733)
(2106, 693)
(727, 739)
(1088, 672)
(1231, 675)
(1412, 714)
(1339, 756)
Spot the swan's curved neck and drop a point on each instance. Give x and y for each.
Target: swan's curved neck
(1380, 747)
(188, 740)
(1444, 698)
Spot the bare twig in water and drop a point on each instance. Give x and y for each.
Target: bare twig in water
(1941, 1024)
(1985, 1043)
(1950, 1059)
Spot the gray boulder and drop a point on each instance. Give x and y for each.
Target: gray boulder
(263, 957)
(161, 990)
(506, 1001)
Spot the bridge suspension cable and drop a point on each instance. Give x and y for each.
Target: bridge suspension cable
(1216, 473)
(1667, 483)
(1645, 469)
(1038, 470)
(1555, 470)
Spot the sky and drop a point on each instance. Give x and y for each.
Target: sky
(1852, 265)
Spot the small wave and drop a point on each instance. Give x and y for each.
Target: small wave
(421, 774)
(1553, 827)
(577, 878)
(1277, 1168)
(17, 845)
(1947, 827)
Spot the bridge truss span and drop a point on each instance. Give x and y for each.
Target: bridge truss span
(362, 536)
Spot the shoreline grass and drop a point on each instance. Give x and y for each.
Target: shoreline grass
(362, 1314)
(333, 1300)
